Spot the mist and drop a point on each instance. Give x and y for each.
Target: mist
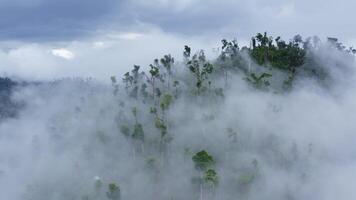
(86, 139)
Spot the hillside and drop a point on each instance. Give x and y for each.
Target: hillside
(257, 122)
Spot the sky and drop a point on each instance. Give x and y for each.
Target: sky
(47, 39)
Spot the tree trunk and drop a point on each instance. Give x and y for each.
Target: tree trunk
(201, 186)
(201, 191)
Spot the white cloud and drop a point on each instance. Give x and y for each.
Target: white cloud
(126, 36)
(63, 53)
(178, 5)
(99, 57)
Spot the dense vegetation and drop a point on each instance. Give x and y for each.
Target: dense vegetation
(154, 111)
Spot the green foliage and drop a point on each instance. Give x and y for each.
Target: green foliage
(125, 130)
(138, 133)
(167, 61)
(259, 81)
(166, 101)
(211, 177)
(159, 124)
(113, 192)
(278, 54)
(154, 71)
(132, 81)
(200, 68)
(202, 160)
(230, 50)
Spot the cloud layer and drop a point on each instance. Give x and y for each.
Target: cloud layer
(62, 20)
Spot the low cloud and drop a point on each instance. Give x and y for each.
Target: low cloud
(63, 53)
(98, 57)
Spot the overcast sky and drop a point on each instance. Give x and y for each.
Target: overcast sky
(46, 39)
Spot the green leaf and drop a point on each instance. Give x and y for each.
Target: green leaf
(166, 101)
(203, 160)
(114, 192)
(138, 133)
(210, 176)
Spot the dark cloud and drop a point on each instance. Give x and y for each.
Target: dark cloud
(52, 19)
(69, 19)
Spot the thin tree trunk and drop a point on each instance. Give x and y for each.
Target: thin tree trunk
(142, 148)
(201, 186)
(201, 191)
(225, 78)
(134, 152)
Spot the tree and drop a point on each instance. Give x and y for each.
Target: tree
(168, 61)
(154, 72)
(202, 160)
(259, 81)
(132, 81)
(138, 134)
(161, 121)
(201, 69)
(282, 56)
(211, 178)
(203, 163)
(229, 57)
(114, 192)
(186, 52)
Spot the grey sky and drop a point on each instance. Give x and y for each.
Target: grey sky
(118, 32)
(68, 19)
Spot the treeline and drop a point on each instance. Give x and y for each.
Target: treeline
(257, 63)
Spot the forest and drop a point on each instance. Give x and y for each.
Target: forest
(225, 128)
